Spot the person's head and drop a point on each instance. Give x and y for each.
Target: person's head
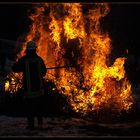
(30, 47)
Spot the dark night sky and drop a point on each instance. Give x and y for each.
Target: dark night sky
(13, 20)
(124, 27)
(122, 23)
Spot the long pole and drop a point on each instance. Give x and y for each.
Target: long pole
(62, 67)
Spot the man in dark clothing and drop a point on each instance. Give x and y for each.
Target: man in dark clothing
(34, 70)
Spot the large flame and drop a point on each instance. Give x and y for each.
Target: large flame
(67, 35)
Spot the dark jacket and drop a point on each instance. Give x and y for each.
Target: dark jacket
(33, 69)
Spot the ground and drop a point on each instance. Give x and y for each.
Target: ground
(67, 127)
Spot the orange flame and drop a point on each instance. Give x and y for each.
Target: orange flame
(67, 35)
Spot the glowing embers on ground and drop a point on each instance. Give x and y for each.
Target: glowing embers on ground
(67, 35)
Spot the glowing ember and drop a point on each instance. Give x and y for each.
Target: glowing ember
(13, 83)
(66, 35)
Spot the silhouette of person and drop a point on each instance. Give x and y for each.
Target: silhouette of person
(34, 70)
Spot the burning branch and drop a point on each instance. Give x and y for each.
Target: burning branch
(67, 29)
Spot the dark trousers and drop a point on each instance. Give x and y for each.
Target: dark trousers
(30, 120)
(34, 107)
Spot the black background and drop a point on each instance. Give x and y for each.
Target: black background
(13, 20)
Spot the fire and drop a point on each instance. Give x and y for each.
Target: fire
(13, 83)
(7, 84)
(66, 35)
(73, 24)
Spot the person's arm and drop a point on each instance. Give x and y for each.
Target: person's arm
(43, 68)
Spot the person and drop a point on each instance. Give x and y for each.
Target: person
(33, 68)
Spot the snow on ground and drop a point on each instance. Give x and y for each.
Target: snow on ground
(66, 127)
(53, 127)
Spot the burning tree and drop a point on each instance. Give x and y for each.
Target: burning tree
(66, 35)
